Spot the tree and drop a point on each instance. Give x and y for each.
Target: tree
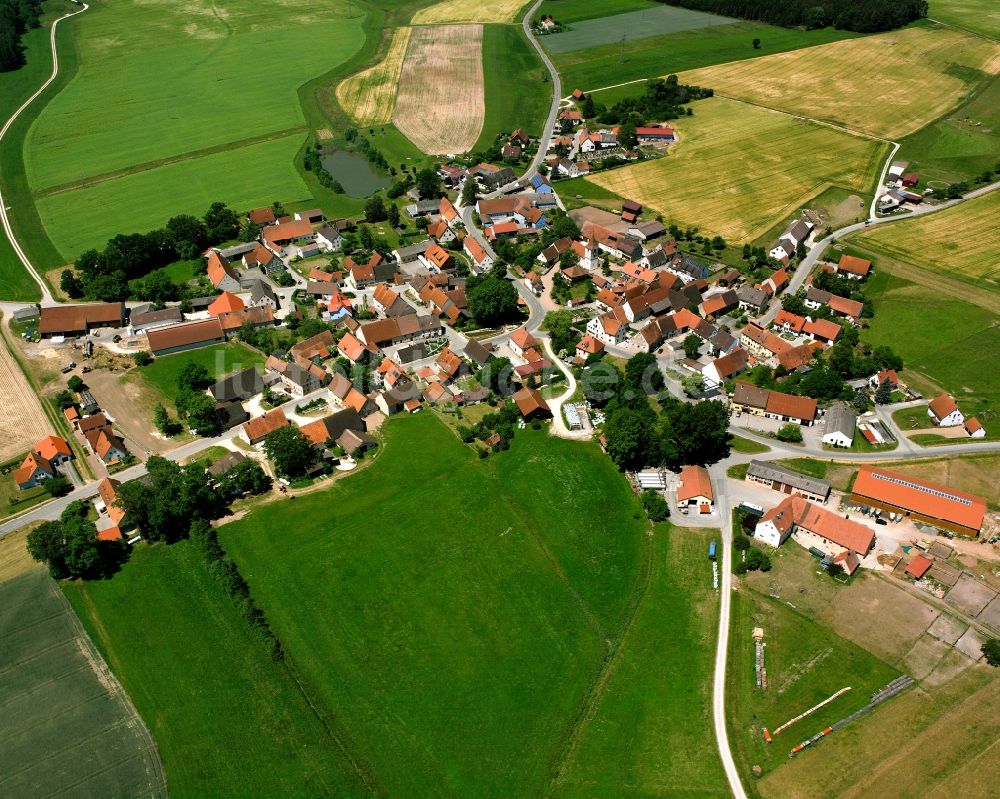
(496, 375)
(693, 385)
(469, 192)
(643, 375)
(630, 441)
(991, 651)
(587, 107)
(393, 215)
(201, 415)
(64, 400)
(375, 209)
(491, 300)
(221, 223)
(560, 326)
(169, 500)
(834, 569)
(655, 505)
(883, 394)
(57, 486)
(142, 358)
(71, 284)
(69, 547)
(692, 345)
(693, 432)
(756, 44)
(790, 433)
(193, 377)
(246, 477)
(627, 137)
(162, 421)
(75, 383)
(428, 183)
(289, 450)
(741, 543)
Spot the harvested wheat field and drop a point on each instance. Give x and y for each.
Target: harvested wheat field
(370, 95)
(24, 423)
(451, 11)
(738, 170)
(888, 85)
(962, 241)
(439, 105)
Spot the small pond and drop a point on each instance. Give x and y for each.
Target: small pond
(353, 172)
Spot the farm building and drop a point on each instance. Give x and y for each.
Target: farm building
(153, 319)
(816, 527)
(919, 566)
(189, 336)
(238, 386)
(788, 481)
(531, 404)
(921, 500)
(78, 320)
(841, 422)
(748, 398)
(257, 429)
(695, 489)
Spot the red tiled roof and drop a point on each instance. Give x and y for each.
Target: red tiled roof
(224, 303)
(822, 328)
(186, 334)
(933, 500)
(52, 446)
(918, 567)
(261, 426)
(942, 405)
(695, 482)
(287, 231)
(854, 265)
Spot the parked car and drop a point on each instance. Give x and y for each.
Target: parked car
(881, 521)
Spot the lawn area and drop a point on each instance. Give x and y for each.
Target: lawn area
(746, 446)
(657, 736)
(962, 145)
(453, 622)
(181, 272)
(931, 70)
(651, 57)
(906, 311)
(12, 499)
(205, 684)
(567, 11)
(737, 170)
(981, 16)
(68, 728)
(962, 242)
(220, 360)
(806, 663)
(651, 20)
(245, 177)
(509, 64)
(142, 62)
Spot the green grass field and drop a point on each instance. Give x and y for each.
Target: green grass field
(205, 684)
(642, 23)
(568, 11)
(244, 178)
(737, 170)
(200, 89)
(806, 663)
(15, 88)
(222, 359)
(645, 736)
(453, 617)
(906, 311)
(601, 66)
(68, 728)
(509, 64)
(962, 242)
(960, 146)
(980, 16)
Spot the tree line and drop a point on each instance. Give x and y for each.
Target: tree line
(116, 271)
(863, 16)
(16, 17)
(662, 100)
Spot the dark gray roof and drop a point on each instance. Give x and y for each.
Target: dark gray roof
(818, 295)
(31, 312)
(152, 317)
(238, 250)
(771, 471)
(231, 413)
(261, 289)
(476, 352)
(411, 352)
(239, 385)
(225, 463)
(752, 296)
(841, 419)
(299, 375)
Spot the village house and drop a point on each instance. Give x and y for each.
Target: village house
(587, 347)
(521, 341)
(752, 299)
(240, 385)
(853, 267)
(221, 273)
(531, 404)
(481, 260)
(814, 527)
(723, 369)
(610, 328)
(944, 411)
(748, 398)
(794, 235)
(291, 238)
(258, 428)
(822, 330)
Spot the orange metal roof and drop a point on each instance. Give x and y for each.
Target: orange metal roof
(920, 496)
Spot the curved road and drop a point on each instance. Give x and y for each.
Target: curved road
(550, 123)
(4, 220)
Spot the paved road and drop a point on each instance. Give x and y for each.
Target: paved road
(4, 220)
(550, 123)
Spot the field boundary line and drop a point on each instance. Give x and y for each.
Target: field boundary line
(609, 667)
(4, 219)
(135, 169)
(969, 31)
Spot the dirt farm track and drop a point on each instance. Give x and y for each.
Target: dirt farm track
(23, 422)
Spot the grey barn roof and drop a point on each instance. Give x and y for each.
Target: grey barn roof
(841, 419)
(771, 471)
